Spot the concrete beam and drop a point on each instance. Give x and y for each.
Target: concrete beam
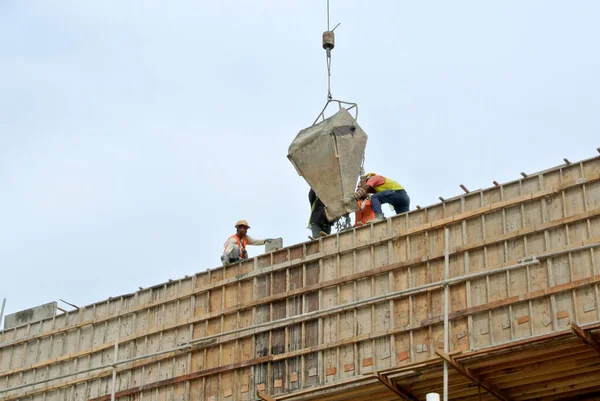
(31, 315)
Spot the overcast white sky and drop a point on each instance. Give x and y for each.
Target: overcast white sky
(133, 134)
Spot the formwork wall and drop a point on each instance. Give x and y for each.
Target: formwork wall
(325, 311)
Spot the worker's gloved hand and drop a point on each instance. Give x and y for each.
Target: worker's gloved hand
(360, 193)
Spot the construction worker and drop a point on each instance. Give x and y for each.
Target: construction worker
(317, 223)
(384, 190)
(365, 213)
(235, 246)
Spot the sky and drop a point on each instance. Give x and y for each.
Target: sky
(134, 134)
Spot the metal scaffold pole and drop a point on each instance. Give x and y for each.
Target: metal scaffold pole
(115, 360)
(446, 306)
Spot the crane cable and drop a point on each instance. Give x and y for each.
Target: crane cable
(328, 45)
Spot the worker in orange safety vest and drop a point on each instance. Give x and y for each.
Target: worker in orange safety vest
(365, 213)
(235, 246)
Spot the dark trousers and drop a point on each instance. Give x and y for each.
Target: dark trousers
(399, 199)
(316, 229)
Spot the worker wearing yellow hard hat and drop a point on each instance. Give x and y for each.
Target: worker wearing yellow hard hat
(383, 190)
(235, 246)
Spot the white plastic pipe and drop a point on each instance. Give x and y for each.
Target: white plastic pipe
(2, 310)
(432, 397)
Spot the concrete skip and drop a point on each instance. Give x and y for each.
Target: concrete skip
(329, 156)
(31, 315)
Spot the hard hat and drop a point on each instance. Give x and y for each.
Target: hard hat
(242, 223)
(366, 176)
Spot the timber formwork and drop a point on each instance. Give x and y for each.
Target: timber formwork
(356, 315)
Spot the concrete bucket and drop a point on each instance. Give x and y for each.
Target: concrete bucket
(329, 156)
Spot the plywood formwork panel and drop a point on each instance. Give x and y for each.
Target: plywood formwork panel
(337, 308)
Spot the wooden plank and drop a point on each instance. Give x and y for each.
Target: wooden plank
(557, 386)
(474, 378)
(579, 332)
(537, 368)
(264, 396)
(592, 391)
(537, 354)
(399, 391)
(555, 375)
(516, 299)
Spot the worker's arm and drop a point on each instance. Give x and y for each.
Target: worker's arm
(369, 187)
(231, 242)
(252, 241)
(362, 192)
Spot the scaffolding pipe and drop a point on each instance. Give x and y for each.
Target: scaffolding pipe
(79, 372)
(115, 359)
(2, 311)
(373, 300)
(533, 260)
(446, 305)
(557, 253)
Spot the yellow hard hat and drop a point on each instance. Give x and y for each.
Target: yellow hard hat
(242, 223)
(366, 176)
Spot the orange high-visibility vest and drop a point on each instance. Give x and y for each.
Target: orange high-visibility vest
(241, 244)
(364, 213)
